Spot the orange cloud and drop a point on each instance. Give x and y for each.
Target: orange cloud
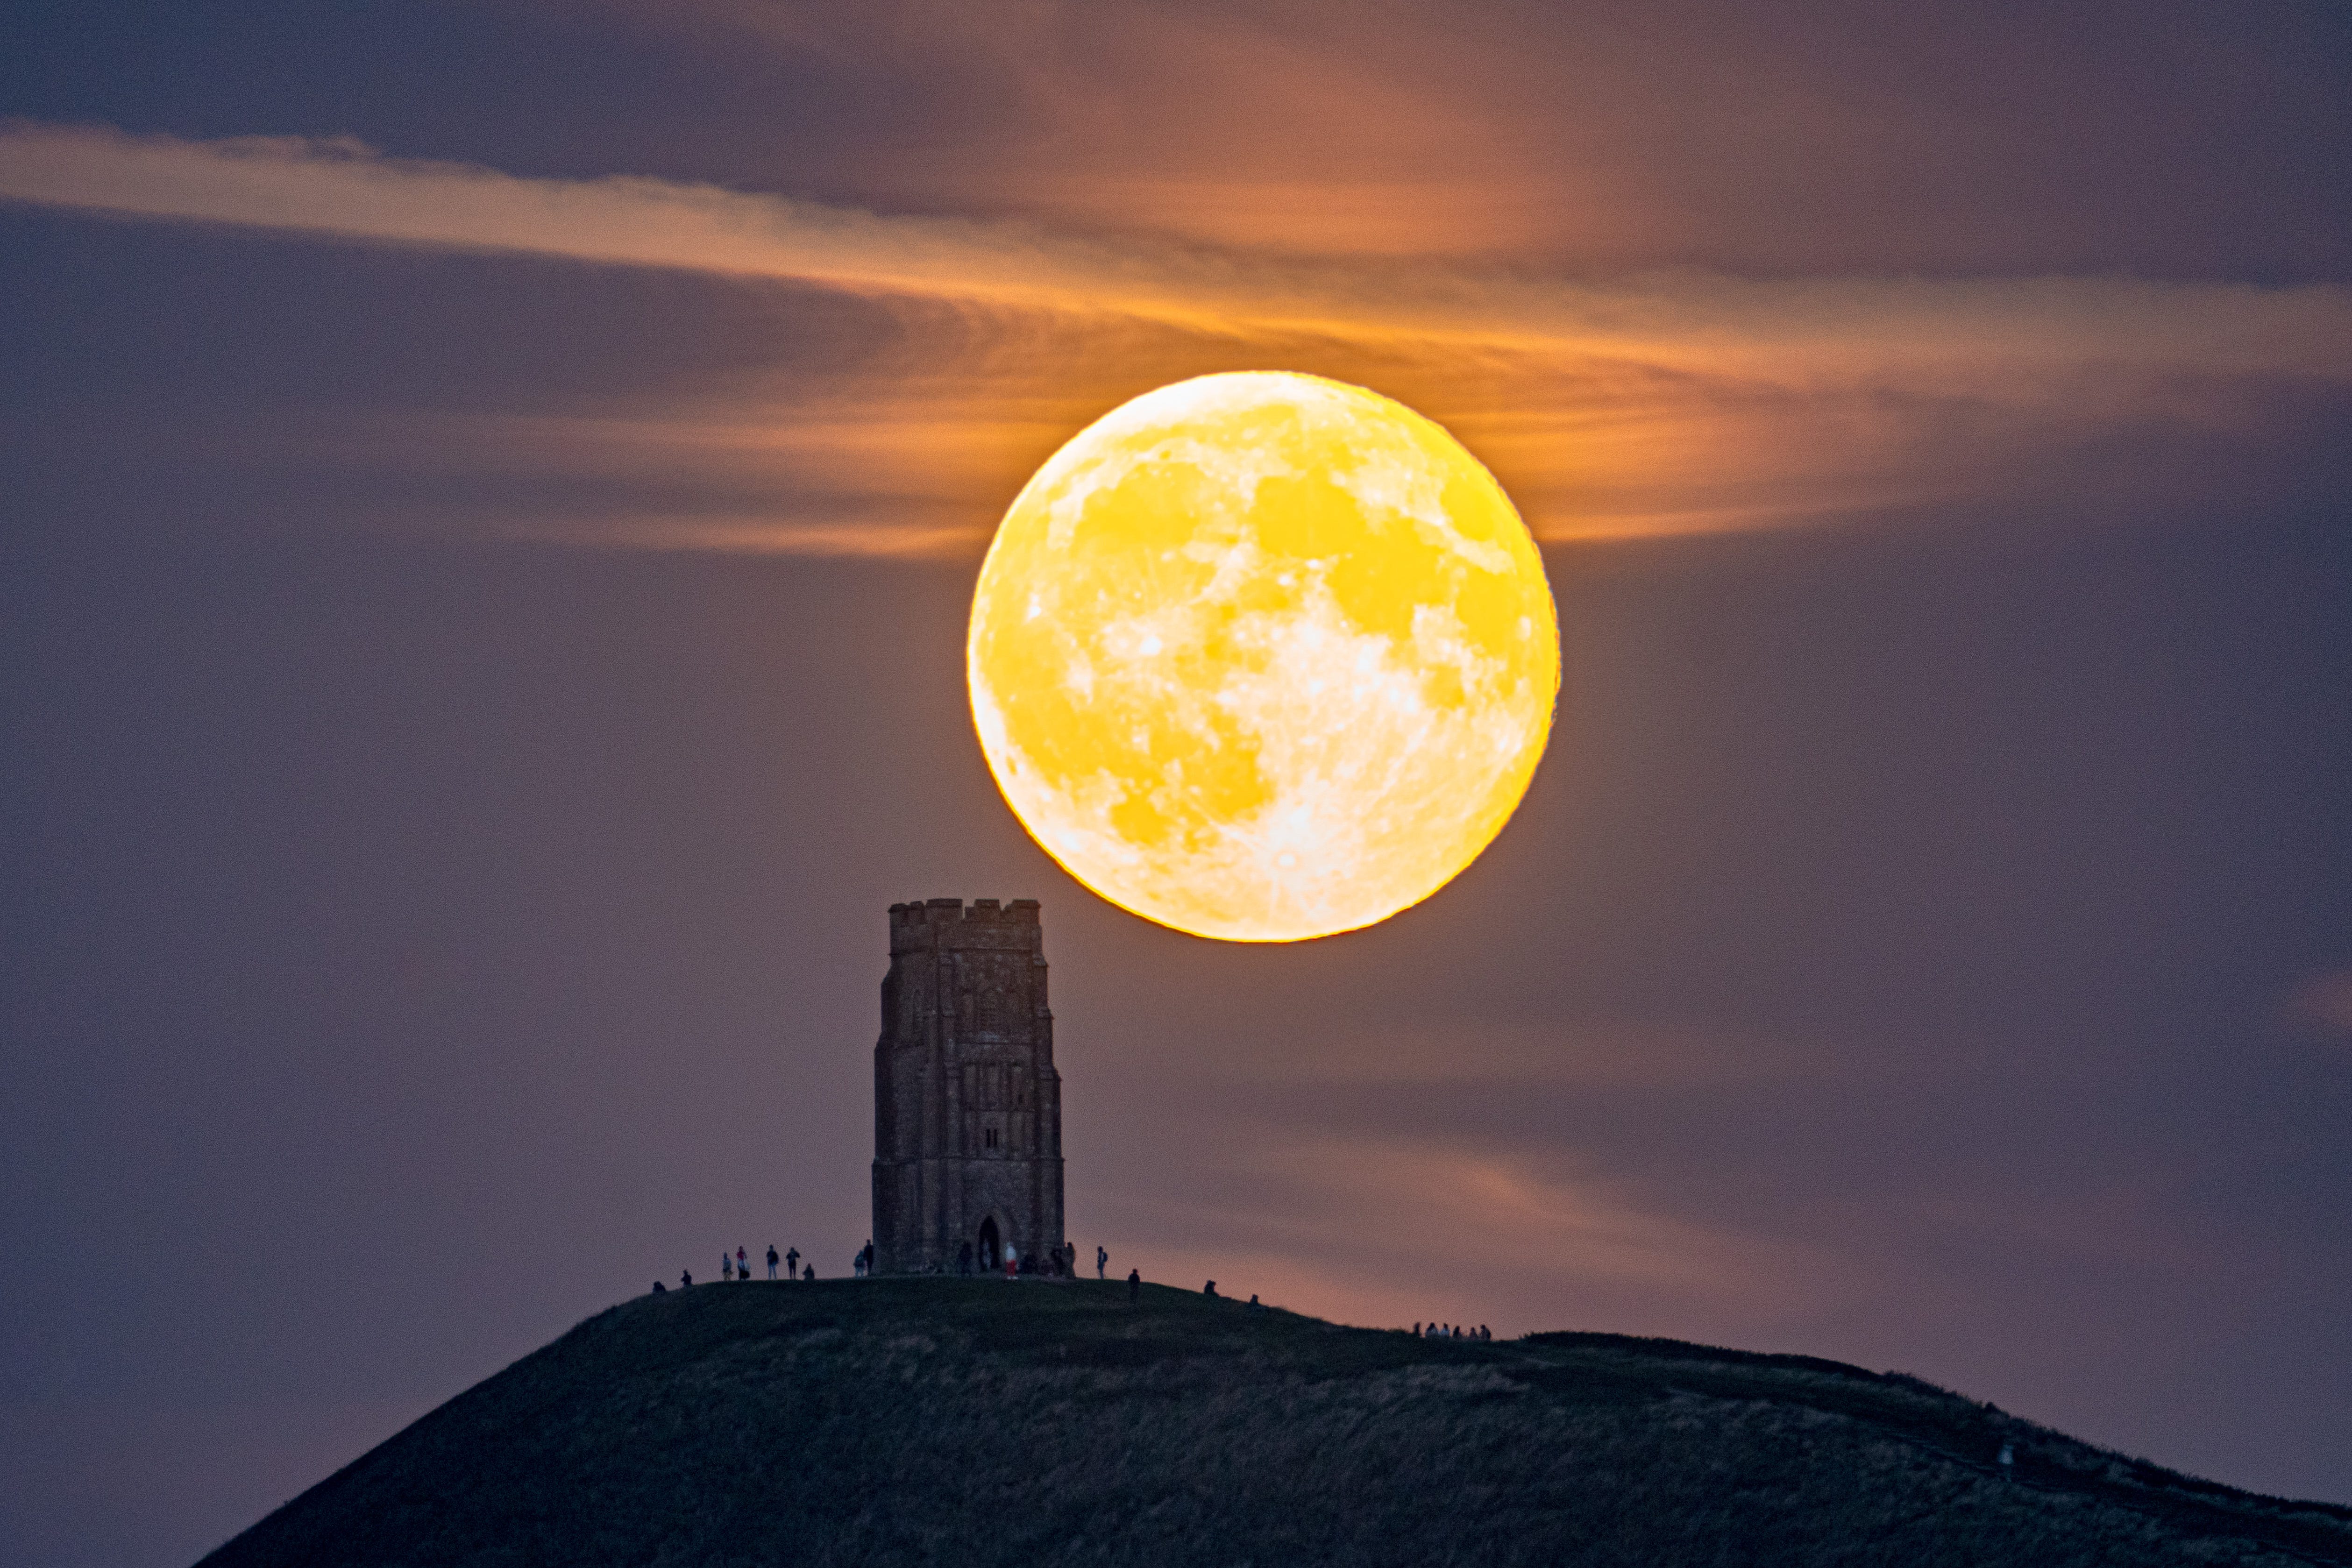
(1667, 403)
(1320, 1224)
(1240, 129)
(1973, 337)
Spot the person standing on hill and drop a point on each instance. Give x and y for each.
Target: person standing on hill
(793, 1264)
(809, 1272)
(726, 1265)
(771, 1260)
(1134, 1286)
(686, 1279)
(1102, 1262)
(742, 1265)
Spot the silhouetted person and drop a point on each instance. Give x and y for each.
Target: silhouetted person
(726, 1265)
(1134, 1286)
(1255, 1305)
(809, 1272)
(1102, 1262)
(792, 1263)
(1210, 1289)
(742, 1265)
(686, 1279)
(771, 1260)
(660, 1288)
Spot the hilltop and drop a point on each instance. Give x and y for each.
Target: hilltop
(981, 1422)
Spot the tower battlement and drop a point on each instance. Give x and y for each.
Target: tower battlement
(947, 925)
(941, 911)
(967, 1103)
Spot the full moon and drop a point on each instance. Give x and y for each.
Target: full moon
(1262, 656)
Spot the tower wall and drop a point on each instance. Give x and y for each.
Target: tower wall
(967, 1104)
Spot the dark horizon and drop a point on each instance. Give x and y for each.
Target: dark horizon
(483, 607)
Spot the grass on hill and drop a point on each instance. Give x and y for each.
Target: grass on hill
(979, 1422)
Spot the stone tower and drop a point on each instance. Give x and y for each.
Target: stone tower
(966, 1105)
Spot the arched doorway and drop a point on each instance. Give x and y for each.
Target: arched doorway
(992, 1249)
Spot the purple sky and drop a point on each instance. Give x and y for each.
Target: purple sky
(482, 585)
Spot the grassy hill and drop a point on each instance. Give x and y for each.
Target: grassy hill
(981, 1422)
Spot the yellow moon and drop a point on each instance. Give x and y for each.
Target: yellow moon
(1262, 656)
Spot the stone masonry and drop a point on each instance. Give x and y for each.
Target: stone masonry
(966, 1105)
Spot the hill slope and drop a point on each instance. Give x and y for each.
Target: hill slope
(981, 1422)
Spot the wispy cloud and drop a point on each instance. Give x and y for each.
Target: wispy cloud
(883, 539)
(1664, 403)
(1616, 134)
(1947, 336)
(1580, 1053)
(1320, 1223)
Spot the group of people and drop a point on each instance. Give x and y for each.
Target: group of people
(1451, 1331)
(740, 1267)
(1061, 1263)
(737, 1265)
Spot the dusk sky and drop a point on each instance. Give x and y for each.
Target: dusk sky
(489, 502)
